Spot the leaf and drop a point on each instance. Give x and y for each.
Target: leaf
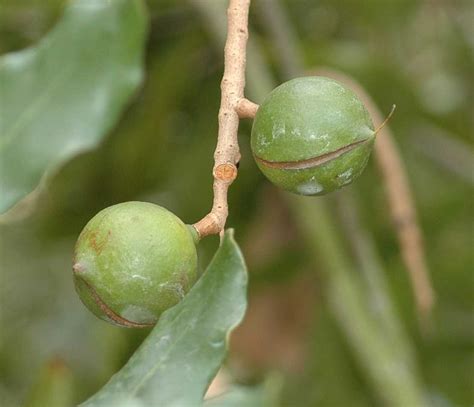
(176, 363)
(61, 96)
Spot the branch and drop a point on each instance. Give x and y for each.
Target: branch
(227, 153)
(401, 202)
(404, 218)
(246, 109)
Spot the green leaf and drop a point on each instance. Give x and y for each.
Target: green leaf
(176, 363)
(61, 96)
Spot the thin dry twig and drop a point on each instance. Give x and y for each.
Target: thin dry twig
(233, 106)
(401, 202)
(404, 218)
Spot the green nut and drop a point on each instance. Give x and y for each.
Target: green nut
(133, 261)
(312, 135)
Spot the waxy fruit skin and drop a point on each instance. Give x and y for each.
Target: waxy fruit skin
(133, 261)
(312, 135)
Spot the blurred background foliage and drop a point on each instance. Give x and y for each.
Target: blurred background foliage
(416, 54)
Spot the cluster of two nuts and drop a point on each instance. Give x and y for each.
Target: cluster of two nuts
(134, 260)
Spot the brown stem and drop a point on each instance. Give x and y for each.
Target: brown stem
(227, 153)
(246, 109)
(405, 219)
(400, 200)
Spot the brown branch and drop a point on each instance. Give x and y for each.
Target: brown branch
(404, 218)
(227, 153)
(401, 202)
(246, 109)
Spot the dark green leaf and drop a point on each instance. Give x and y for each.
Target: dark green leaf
(178, 360)
(61, 97)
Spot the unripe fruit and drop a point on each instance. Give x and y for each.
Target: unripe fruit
(312, 135)
(133, 261)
